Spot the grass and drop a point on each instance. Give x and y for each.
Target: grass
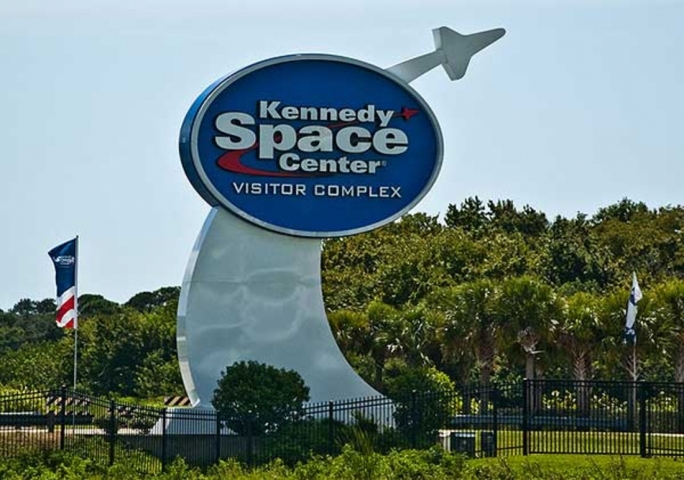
(614, 456)
(571, 467)
(510, 442)
(356, 465)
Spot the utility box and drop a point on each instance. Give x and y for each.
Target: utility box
(488, 443)
(462, 442)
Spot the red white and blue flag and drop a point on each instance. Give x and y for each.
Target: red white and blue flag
(64, 258)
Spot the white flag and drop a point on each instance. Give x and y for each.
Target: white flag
(634, 296)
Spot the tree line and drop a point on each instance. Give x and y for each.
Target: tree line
(489, 293)
(126, 350)
(495, 293)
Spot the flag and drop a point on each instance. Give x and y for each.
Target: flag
(64, 258)
(634, 296)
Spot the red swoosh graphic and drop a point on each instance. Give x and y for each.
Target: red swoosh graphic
(230, 161)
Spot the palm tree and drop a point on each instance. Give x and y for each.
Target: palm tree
(579, 332)
(670, 316)
(384, 337)
(471, 331)
(670, 297)
(373, 334)
(350, 329)
(529, 311)
(456, 354)
(418, 335)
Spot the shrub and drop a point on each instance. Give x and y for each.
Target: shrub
(299, 441)
(259, 396)
(424, 401)
(15, 400)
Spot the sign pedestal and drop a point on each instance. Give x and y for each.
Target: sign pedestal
(251, 294)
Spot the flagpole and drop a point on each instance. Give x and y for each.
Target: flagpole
(76, 317)
(635, 375)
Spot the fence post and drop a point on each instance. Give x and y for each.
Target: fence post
(250, 439)
(495, 426)
(112, 430)
(163, 445)
(642, 418)
(218, 437)
(62, 416)
(525, 414)
(414, 420)
(331, 411)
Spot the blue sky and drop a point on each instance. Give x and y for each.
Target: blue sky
(578, 106)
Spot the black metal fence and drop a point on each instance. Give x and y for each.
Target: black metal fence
(530, 417)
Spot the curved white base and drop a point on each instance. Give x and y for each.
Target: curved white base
(250, 294)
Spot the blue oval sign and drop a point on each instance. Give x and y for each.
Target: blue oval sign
(312, 145)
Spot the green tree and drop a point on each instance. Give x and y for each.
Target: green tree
(529, 222)
(418, 342)
(670, 297)
(530, 310)
(38, 366)
(90, 305)
(471, 325)
(158, 376)
(352, 331)
(29, 322)
(415, 223)
(579, 333)
(625, 211)
(384, 337)
(410, 272)
(507, 255)
(392, 264)
(349, 269)
(112, 349)
(572, 257)
(260, 397)
(131, 352)
(670, 314)
(148, 301)
(470, 216)
(642, 240)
